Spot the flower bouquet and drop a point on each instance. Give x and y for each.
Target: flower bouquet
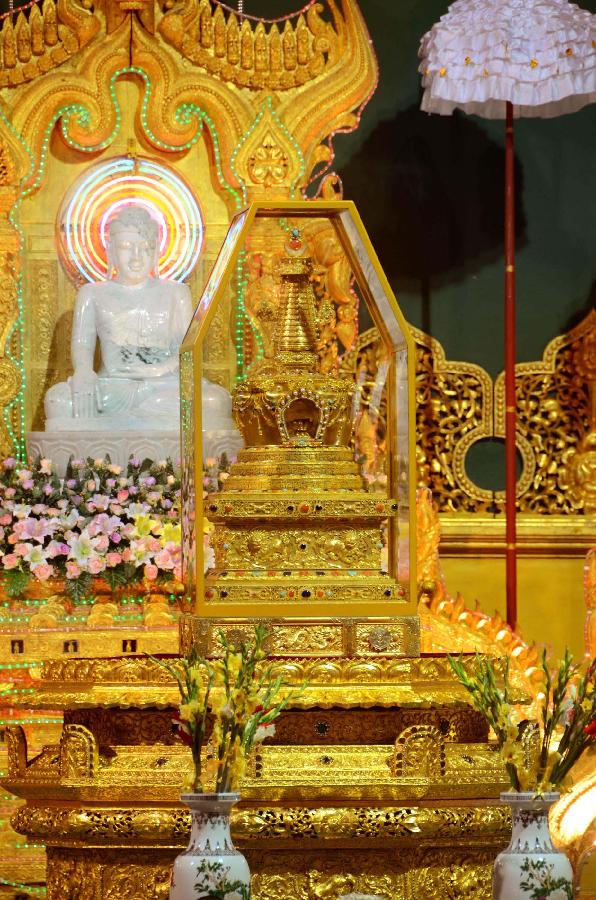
(227, 706)
(101, 521)
(538, 757)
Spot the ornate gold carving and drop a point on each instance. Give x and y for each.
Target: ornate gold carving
(419, 750)
(455, 409)
(17, 751)
(330, 548)
(45, 38)
(124, 727)
(374, 726)
(256, 824)
(578, 475)
(256, 57)
(90, 875)
(79, 756)
(265, 159)
(343, 637)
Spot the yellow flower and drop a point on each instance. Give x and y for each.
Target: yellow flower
(171, 533)
(195, 676)
(145, 525)
(512, 732)
(190, 710)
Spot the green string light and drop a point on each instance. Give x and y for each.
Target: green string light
(18, 361)
(40, 891)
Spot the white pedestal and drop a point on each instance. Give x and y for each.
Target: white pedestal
(59, 446)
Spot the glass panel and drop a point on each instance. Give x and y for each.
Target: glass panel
(215, 277)
(187, 453)
(385, 310)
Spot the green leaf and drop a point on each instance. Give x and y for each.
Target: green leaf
(15, 582)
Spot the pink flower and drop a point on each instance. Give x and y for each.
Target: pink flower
(164, 560)
(48, 489)
(10, 560)
(122, 495)
(151, 572)
(113, 558)
(115, 537)
(28, 484)
(23, 549)
(6, 519)
(96, 565)
(34, 529)
(57, 548)
(9, 463)
(13, 538)
(24, 474)
(72, 569)
(127, 554)
(43, 571)
(9, 492)
(103, 542)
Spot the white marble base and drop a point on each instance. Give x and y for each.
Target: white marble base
(59, 446)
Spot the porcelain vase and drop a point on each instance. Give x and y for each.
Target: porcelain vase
(531, 868)
(210, 866)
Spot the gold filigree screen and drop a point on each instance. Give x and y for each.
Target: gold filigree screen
(458, 404)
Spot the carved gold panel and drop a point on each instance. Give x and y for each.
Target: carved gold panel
(458, 404)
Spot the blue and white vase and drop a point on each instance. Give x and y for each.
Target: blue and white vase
(531, 867)
(211, 865)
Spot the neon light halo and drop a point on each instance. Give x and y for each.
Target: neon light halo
(103, 189)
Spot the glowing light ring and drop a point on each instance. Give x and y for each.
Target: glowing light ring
(107, 187)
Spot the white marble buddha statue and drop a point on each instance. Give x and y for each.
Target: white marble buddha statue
(140, 321)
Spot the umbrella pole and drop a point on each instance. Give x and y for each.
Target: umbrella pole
(510, 399)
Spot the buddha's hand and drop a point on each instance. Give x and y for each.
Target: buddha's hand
(83, 384)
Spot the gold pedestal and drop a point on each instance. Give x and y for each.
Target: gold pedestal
(332, 804)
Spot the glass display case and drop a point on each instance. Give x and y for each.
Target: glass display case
(315, 516)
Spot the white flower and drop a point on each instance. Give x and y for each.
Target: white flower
(136, 509)
(20, 510)
(71, 519)
(264, 731)
(35, 555)
(82, 548)
(232, 895)
(209, 559)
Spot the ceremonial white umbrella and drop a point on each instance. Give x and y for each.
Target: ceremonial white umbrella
(501, 59)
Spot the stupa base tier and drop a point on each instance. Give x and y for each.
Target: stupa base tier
(314, 594)
(298, 852)
(355, 637)
(306, 506)
(327, 551)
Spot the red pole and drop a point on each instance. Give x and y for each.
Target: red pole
(510, 402)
